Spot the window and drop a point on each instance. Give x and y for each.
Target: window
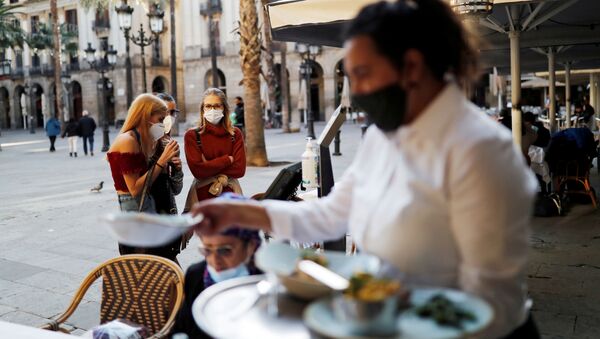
(35, 21)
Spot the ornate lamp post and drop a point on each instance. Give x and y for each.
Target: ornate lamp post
(212, 10)
(308, 53)
(156, 24)
(142, 39)
(124, 13)
(103, 63)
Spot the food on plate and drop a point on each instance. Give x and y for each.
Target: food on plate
(365, 287)
(314, 257)
(444, 312)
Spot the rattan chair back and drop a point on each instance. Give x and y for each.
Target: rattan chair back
(144, 289)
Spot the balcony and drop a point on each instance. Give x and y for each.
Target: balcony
(205, 52)
(101, 26)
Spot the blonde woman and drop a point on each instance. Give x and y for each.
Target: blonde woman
(129, 156)
(214, 150)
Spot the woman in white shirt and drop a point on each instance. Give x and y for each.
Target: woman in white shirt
(437, 188)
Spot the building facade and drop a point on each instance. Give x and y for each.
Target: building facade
(31, 74)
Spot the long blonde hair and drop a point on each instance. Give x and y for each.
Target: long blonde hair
(140, 112)
(225, 122)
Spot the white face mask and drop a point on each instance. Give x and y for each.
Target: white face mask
(157, 131)
(240, 270)
(213, 116)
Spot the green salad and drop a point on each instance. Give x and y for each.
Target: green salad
(444, 312)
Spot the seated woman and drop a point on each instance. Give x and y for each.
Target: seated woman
(227, 255)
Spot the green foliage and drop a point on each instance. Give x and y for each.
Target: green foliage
(44, 39)
(11, 34)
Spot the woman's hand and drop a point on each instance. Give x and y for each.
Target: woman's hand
(231, 159)
(176, 162)
(171, 150)
(221, 215)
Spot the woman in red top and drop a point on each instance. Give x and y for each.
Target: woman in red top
(129, 156)
(214, 150)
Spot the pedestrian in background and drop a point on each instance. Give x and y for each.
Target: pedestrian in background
(87, 126)
(239, 113)
(52, 130)
(72, 132)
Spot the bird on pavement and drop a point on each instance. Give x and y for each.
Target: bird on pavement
(98, 187)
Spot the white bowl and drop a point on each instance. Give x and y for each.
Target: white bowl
(281, 259)
(147, 230)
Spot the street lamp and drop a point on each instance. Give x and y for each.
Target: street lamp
(124, 14)
(156, 23)
(212, 10)
(308, 53)
(102, 63)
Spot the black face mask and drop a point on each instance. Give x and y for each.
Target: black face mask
(386, 108)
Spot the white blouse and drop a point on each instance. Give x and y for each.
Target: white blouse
(446, 199)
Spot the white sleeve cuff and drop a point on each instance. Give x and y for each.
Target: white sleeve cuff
(281, 219)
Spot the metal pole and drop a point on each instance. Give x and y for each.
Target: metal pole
(128, 71)
(105, 141)
(213, 53)
(568, 93)
(552, 89)
(175, 129)
(143, 46)
(515, 70)
(310, 115)
(336, 144)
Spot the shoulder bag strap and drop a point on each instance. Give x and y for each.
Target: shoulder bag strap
(148, 173)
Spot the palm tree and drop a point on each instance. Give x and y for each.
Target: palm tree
(11, 34)
(256, 153)
(268, 55)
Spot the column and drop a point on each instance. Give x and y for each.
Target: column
(552, 89)
(568, 93)
(515, 71)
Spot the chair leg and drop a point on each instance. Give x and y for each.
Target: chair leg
(588, 189)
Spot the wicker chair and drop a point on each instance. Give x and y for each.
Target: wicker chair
(144, 289)
(575, 173)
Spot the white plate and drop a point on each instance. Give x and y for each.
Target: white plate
(413, 326)
(319, 317)
(147, 230)
(281, 259)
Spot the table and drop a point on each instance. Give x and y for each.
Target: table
(16, 331)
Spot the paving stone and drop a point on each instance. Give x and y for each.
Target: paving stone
(54, 281)
(86, 316)
(555, 323)
(12, 270)
(6, 309)
(587, 327)
(24, 318)
(39, 302)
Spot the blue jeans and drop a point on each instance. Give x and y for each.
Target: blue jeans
(128, 203)
(89, 139)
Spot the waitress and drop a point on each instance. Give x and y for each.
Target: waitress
(437, 188)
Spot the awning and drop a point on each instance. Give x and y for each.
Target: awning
(318, 22)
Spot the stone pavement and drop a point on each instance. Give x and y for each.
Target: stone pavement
(50, 238)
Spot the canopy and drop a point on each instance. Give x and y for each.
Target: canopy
(539, 83)
(318, 22)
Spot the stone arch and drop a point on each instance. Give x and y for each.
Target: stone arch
(36, 104)
(222, 85)
(159, 85)
(77, 99)
(17, 116)
(5, 121)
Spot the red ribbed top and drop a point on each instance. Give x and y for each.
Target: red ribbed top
(125, 163)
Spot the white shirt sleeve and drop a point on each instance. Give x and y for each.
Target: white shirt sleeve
(310, 221)
(491, 195)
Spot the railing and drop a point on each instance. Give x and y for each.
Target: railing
(159, 62)
(101, 24)
(17, 73)
(205, 52)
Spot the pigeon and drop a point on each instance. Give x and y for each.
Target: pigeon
(98, 187)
